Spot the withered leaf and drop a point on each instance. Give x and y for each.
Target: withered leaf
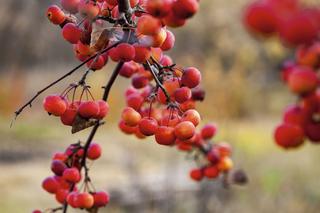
(81, 124)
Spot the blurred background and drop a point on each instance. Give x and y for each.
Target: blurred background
(244, 96)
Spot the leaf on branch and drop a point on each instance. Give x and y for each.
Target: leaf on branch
(81, 124)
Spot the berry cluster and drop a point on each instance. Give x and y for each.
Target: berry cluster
(160, 101)
(289, 19)
(76, 112)
(299, 27)
(66, 167)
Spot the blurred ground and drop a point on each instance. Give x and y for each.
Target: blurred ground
(244, 96)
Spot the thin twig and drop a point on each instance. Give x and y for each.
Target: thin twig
(29, 103)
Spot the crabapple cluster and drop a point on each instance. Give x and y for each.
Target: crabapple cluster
(71, 112)
(160, 102)
(292, 22)
(299, 27)
(68, 184)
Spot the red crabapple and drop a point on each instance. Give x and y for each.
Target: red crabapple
(56, 15)
(208, 131)
(148, 126)
(130, 116)
(71, 175)
(55, 105)
(158, 8)
(225, 164)
(51, 185)
(70, 5)
(312, 131)
(185, 8)
(191, 77)
(71, 33)
(89, 8)
(100, 199)
(126, 52)
(88, 109)
(184, 130)
(289, 135)
(148, 25)
(169, 42)
(84, 200)
(182, 94)
(58, 167)
(71, 199)
(141, 54)
(125, 128)
(61, 195)
(303, 81)
(196, 174)
(68, 117)
(191, 115)
(164, 135)
(94, 151)
(103, 109)
(173, 21)
(211, 172)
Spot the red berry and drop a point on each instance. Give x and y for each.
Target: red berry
(103, 109)
(303, 81)
(184, 130)
(70, 5)
(94, 151)
(68, 117)
(295, 115)
(97, 63)
(211, 172)
(100, 199)
(61, 195)
(89, 109)
(158, 8)
(71, 33)
(84, 200)
(141, 54)
(196, 174)
(89, 8)
(208, 131)
(148, 25)
(191, 115)
(58, 167)
(50, 185)
(289, 135)
(126, 129)
(191, 77)
(164, 135)
(126, 52)
(71, 175)
(313, 132)
(55, 105)
(56, 15)
(130, 116)
(36, 211)
(71, 199)
(182, 94)
(185, 8)
(169, 42)
(148, 126)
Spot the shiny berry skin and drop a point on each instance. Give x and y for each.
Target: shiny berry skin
(36, 211)
(225, 164)
(169, 42)
(126, 52)
(224, 149)
(71, 175)
(213, 156)
(295, 115)
(261, 18)
(303, 81)
(129, 130)
(71, 199)
(182, 94)
(58, 167)
(148, 126)
(89, 109)
(184, 130)
(289, 135)
(70, 5)
(191, 115)
(184, 9)
(56, 15)
(51, 185)
(68, 117)
(100, 199)
(130, 116)
(61, 195)
(211, 172)
(208, 131)
(71, 33)
(97, 63)
(94, 151)
(312, 131)
(84, 200)
(172, 20)
(103, 109)
(165, 135)
(158, 8)
(139, 81)
(148, 25)
(55, 105)
(196, 174)
(191, 77)
(141, 54)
